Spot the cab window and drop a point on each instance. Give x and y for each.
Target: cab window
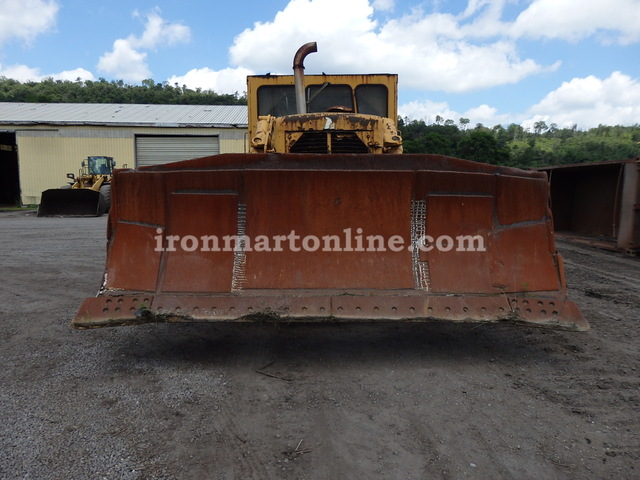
(372, 99)
(277, 100)
(321, 98)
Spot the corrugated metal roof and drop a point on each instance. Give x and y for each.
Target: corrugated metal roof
(123, 114)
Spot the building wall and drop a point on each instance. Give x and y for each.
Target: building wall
(47, 154)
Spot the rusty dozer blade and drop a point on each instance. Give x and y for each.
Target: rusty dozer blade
(277, 237)
(71, 202)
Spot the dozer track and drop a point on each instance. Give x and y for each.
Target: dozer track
(342, 237)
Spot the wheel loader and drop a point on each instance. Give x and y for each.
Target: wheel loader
(325, 220)
(88, 194)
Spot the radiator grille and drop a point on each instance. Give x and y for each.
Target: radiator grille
(329, 142)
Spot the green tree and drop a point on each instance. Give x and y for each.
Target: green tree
(481, 146)
(540, 127)
(115, 91)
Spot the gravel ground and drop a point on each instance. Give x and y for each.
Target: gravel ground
(250, 401)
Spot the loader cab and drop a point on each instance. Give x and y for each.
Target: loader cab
(98, 165)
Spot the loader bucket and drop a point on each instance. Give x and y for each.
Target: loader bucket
(286, 237)
(72, 202)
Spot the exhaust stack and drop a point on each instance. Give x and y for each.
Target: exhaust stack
(298, 73)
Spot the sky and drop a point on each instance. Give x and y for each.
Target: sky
(564, 62)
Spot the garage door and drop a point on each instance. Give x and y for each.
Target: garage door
(166, 148)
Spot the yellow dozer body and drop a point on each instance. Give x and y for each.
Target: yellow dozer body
(88, 194)
(326, 220)
(345, 114)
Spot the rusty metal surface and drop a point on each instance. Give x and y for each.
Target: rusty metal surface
(375, 134)
(598, 200)
(390, 201)
(293, 307)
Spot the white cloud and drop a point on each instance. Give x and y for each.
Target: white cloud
(428, 51)
(585, 102)
(270, 46)
(474, 6)
(613, 20)
(73, 75)
(473, 50)
(428, 111)
(484, 19)
(229, 80)
(591, 101)
(126, 61)
(158, 32)
(487, 116)
(384, 5)
(23, 73)
(26, 19)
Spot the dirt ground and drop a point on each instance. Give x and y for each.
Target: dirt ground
(264, 401)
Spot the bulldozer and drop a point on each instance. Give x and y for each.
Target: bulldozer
(88, 194)
(326, 220)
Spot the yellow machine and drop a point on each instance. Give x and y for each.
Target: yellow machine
(88, 194)
(326, 220)
(323, 113)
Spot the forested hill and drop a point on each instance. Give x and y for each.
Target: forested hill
(516, 146)
(102, 91)
(513, 145)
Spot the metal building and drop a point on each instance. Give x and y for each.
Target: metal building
(41, 142)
